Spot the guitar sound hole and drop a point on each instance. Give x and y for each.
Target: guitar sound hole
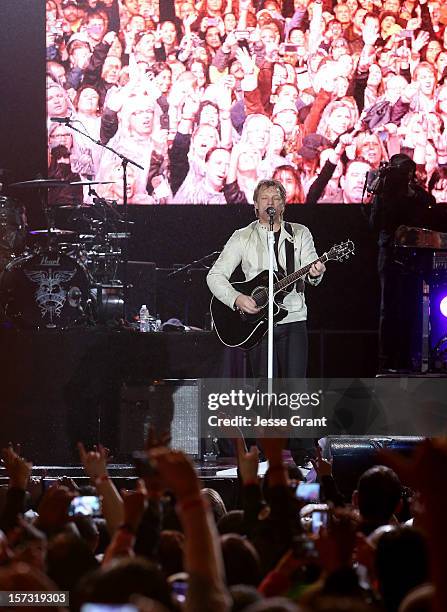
(260, 296)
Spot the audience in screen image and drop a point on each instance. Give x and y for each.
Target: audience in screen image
(311, 92)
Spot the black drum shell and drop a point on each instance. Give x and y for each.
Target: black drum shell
(45, 290)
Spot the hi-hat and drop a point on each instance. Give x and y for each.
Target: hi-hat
(91, 182)
(54, 231)
(40, 182)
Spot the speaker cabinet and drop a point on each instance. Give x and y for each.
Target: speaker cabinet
(166, 405)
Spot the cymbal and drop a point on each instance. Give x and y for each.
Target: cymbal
(91, 182)
(54, 231)
(40, 182)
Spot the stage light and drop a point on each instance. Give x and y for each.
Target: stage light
(443, 306)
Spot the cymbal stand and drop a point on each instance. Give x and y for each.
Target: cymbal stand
(124, 162)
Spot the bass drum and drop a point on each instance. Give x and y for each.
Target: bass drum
(45, 291)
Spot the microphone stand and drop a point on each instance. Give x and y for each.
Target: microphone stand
(124, 162)
(187, 268)
(193, 263)
(271, 244)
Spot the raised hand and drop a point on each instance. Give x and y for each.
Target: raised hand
(188, 21)
(135, 503)
(248, 461)
(177, 472)
(246, 60)
(109, 38)
(229, 42)
(17, 468)
(53, 508)
(410, 92)
(190, 108)
(322, 467)
(94, 462)
(441, 144)
(420, 41)
(370, 35)
(224, 101)
(273, 448)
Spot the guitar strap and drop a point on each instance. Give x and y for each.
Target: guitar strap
(290, 258)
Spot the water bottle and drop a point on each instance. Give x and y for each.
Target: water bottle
(158, 324)
(144, 319)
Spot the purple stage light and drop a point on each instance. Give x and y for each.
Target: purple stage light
(443, 306)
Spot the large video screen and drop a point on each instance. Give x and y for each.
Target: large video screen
(209, 97)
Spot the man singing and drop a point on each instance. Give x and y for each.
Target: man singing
(249, 247)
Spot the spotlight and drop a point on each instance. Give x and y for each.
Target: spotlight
(443, 306)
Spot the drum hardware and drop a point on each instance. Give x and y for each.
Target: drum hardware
(125, 161)
(61, 284)
(40, 183)
(77, 183)
(109, 300)
(49, 183)
(13, 229)
(52, 231)
(118, 235)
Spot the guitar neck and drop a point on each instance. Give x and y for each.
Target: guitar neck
(288, 280)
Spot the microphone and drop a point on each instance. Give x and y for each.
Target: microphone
(60, 119)
(271, 211)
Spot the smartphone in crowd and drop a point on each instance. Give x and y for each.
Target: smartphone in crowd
(308, 492)
(179, 589)
(405, 34)
(88, 505)
(99, 607)
(241, 34)
(304, 548)
(319, 519)
(48, 482)
(289, 48)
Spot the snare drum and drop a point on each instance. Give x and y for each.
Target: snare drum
(45, 290)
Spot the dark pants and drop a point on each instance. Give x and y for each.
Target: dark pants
(290, 348)
(289, 352)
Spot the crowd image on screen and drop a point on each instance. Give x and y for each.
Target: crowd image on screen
(211, 97)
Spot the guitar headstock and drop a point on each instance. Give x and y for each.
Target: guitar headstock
(341, 251)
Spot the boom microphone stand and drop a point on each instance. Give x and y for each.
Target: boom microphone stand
(124, 162)
(271, 243)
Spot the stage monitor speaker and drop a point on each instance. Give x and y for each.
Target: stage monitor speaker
(141, 278)
(168, 405)
(352, 456)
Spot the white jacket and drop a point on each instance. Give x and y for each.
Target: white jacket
(249, 247)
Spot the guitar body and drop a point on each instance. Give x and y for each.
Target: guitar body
(236, 329)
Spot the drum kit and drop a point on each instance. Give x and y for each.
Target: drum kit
(58, 278)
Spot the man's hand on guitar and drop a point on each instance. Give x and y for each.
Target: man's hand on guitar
(317, 269)
(246, 304)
